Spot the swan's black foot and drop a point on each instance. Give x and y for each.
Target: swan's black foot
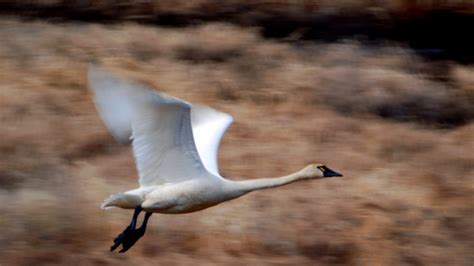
(127, 239)
(120, 237)
(130, 235)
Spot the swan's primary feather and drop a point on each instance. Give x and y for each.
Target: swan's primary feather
(160, 125)
(112, 100)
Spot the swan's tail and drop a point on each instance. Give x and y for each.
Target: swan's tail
(122, 200)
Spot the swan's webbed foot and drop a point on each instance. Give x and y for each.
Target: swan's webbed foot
(130, 235)
(127, 239)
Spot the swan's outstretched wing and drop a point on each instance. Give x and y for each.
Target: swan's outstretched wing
(163, 142)
(209, 126)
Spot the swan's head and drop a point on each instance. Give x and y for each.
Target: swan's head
(319, 171)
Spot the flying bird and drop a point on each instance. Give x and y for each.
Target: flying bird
(175, 146)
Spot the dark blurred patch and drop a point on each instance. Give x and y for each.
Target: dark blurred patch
(408, 259)
(9, 181)
(435, 34)
(328, 252)
(460, 226)
(434, 31)
(200, 54)
(438, 34)
(428, 110)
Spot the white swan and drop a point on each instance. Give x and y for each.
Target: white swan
(175, 146)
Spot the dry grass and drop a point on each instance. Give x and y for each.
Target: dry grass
(406, 198)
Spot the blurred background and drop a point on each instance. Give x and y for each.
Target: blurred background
(382, 91)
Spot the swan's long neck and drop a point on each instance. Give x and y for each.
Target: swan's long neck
(239, 188)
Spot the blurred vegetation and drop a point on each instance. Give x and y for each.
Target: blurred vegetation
(434, 28)
(397, 123)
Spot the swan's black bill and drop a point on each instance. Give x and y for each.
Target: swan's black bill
(328, 172)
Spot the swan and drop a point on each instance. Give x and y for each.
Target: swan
(175, 147)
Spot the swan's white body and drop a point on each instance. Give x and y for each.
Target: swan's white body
(175, 146)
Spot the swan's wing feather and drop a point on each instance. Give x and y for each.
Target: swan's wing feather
(209, 126)
(163, 144)
(112, 97)
(160, 126)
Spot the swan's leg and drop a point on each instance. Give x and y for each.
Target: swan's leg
(137, 234)
(126, 233)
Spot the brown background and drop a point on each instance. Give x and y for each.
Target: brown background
(395, 122)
